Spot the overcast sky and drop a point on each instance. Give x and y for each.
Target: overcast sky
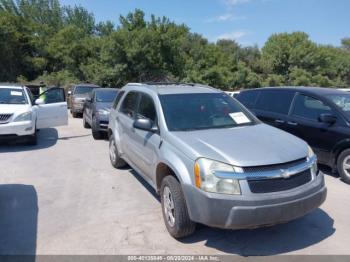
(247, 21)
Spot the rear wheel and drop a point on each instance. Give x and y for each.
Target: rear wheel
(116, 160)
(343, 165)
(175, 214)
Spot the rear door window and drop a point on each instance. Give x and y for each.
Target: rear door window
(309, 107)
(129, 104)
(248, 98)
(276, 101)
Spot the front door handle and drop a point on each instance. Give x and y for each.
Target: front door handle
(279, 121)
(292, 123)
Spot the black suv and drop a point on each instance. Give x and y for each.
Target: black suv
(320, 116)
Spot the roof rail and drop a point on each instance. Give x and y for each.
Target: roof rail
(134, 84)
(169, 83)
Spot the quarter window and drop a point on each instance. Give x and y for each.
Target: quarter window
(310, 108)
(276, 101)
(147, 108)
(129, 104)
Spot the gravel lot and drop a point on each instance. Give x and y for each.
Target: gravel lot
(64, 197)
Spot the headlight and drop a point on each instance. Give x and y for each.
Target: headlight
(310, 152)
(314, 167)
(206, 171)
(103, 112)
(27, 116)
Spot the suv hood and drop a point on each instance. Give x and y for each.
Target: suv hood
(104, 105)
(11, 109)
(256, 145)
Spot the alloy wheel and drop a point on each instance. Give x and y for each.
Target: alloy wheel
(169, 208)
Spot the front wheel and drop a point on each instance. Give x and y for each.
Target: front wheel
(96, 134)
(85, 124)
(175, 214)
(33, 139)
(343, 165)
(116, 160)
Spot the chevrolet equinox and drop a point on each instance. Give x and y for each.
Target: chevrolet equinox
(210, 159)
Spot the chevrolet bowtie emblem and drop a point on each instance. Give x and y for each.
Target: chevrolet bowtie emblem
(285, 174)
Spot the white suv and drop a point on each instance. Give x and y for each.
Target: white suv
(21, 115)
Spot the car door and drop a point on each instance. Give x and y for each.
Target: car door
(125, 119)
(304, 122)
(146, 143)
(51, 109)
(273, 105)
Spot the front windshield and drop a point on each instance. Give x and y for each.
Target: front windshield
(80, 90)
(106, 96)
(12, 96)
(342, 102)
(185, 112)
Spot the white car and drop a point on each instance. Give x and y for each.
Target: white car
(21, 115)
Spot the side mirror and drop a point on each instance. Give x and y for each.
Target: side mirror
(39, 101)
(88, 100)
(328, 119)
(145, 124)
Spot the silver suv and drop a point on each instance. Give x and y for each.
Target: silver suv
(210, 159)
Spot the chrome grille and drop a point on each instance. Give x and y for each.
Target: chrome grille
(280, 184)
(4, 118)
(258, 169)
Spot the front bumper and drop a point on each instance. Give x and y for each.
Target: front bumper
(15, 129)
(78, 107)
(102, 123)
(254, 210)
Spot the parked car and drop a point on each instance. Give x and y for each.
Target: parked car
(21, 115)
(320, 116)
(96, 110)
(210, 159)
(77, 96)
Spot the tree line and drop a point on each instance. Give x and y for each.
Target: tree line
(40, 40)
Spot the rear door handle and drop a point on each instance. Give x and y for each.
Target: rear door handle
(292, 123)
(279, 121)
(117, 118)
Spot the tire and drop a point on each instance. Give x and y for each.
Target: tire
(343, 159)
(74, 115)
(96, 134)
(181, 226)
(33, 139)
(85, 124)
(116, 160)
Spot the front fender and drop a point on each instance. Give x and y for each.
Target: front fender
(178, 162)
